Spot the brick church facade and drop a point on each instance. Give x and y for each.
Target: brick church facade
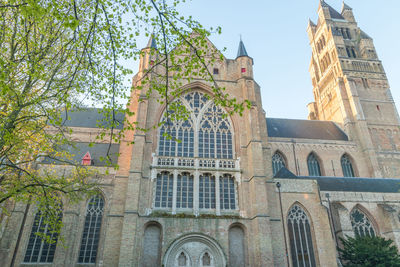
(238, 190)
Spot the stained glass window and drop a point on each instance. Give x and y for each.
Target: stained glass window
(184, 192)
(277, 162)
(39, 251)
(347, 167)
(164, 190)
(301, 244)
(215, 138)
(227, 192)
(313, 165)
(207, 192)
(91, 230)
(362, 226)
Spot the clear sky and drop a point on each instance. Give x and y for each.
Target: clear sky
(274, 33)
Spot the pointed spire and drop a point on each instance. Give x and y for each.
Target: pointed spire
(334, 14)
(345, 7)
(242, 50)
(152, 42)
(311, 23)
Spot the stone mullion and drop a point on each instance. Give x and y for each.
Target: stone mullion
(217, 196)
(196, 192)
(174, 191)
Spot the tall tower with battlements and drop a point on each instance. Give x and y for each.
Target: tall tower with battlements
(351, 88)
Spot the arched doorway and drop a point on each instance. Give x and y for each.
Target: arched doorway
(194, 250)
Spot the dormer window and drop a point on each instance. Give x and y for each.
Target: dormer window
(87, 159)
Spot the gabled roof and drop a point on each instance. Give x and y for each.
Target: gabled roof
(311, 23)
(334, 14)
(305, 129)
(241, 50)
(89, 118)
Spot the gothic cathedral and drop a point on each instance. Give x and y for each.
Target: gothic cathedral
(238, 190)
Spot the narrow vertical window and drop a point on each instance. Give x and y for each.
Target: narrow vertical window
(182, 259)
(91, 230)
(313, 165)
(347, 167)
(277, 162)
(38, 250)
(206, 191)
(227, 192)
(164, 188)
(301, 244)
(184, 191)
(362, 226)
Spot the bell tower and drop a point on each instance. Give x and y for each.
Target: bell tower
(350, 87)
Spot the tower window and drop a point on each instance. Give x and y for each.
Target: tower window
(243, 70)
(216, 71)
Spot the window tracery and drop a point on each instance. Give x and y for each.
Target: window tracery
(277, 162)
(194, 165)
(301, 244)
(39, 251)
(347, 167)
(362, 226)
(91, 230)
(314, 168)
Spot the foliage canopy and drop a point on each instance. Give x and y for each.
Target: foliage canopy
(367, 251)
(59, 55)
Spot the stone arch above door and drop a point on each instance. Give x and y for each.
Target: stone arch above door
(195, 246)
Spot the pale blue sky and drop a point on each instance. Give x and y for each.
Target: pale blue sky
(274, 33)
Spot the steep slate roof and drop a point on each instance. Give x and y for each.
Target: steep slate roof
(97, 151)
(334, 14)
(305, 129)
(347, 184)
(89, 118)
(241, 50)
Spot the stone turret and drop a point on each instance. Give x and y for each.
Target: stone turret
(245, 62)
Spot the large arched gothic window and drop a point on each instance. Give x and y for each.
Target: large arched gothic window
(314, 168)
(277, 162)
(362, 226)
(208, 129)
(39, 251)
(301, 243)
(195, 168)
(347, 167)
(91, 230)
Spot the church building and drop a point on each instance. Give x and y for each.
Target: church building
(237, 190)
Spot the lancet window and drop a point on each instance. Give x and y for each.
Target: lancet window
(277, 162)
(362, 226)
(314, 168)
(164, 190)
(301, 243)
(39, 251)
(91, 230)
(347, 167)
